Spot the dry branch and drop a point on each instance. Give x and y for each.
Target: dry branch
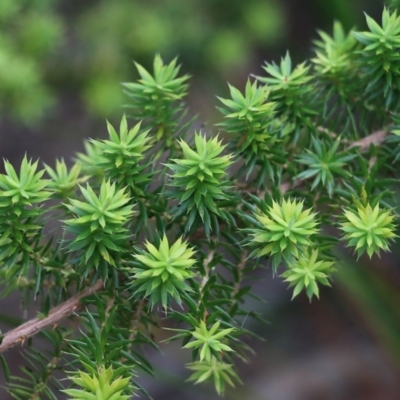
(32, 327)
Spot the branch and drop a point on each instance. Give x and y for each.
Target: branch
(32, 327)
(375, 138)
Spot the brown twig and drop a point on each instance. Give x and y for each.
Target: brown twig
(135, 325)
(285, 186)
(331, 134)
(375, 138)
(35, 325)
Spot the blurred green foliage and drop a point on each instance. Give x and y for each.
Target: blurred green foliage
(49, 46)
(53, 48)
(30, 33)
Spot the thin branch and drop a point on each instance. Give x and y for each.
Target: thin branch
(206, 263)
(285, 186)
(205, 279)
(331, 134)
(375, 138)
(32, 327)
(134, 326)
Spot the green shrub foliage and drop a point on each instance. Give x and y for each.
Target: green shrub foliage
(160, 222)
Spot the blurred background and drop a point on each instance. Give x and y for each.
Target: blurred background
(61, 63)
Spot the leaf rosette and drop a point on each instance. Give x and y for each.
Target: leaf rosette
(98, 224)
(199, 178)
(105, 385)
(369, 229)
(161, 272)
(121, 155)
(306, 272)
(284, 231)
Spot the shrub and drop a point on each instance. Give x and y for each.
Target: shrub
(162, 224)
